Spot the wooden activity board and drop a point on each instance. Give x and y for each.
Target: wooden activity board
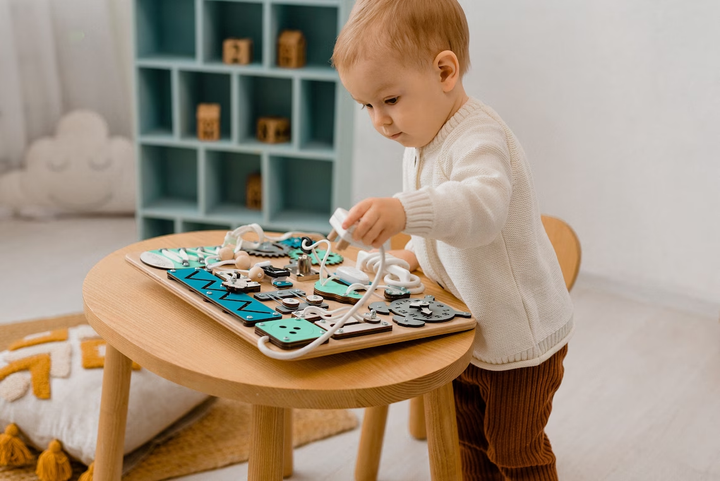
(253, 314)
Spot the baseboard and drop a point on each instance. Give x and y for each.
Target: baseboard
(653, 295)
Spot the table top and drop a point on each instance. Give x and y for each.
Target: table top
(169, 337)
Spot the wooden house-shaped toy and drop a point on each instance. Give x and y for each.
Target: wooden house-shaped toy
(253, 192)
(291, 49)
(208, 121)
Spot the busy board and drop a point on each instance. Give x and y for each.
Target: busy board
(256, 309)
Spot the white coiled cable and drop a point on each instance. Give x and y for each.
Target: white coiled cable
(397, 273)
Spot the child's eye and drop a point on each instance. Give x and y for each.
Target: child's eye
(391, 101)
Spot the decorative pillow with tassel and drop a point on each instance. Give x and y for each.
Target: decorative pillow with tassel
(50, 389)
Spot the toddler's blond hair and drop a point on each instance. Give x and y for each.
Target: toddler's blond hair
(414, 30)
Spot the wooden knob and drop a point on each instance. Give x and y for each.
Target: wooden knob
(256, 274)
(314, 300)
(291, 303)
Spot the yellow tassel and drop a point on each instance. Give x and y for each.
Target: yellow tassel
(13, 451)
(88, 475)
(53, 464)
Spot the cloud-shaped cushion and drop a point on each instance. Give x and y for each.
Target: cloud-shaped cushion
(80, 170)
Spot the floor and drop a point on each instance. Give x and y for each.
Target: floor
(640, 399)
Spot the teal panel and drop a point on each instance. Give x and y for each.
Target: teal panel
(175, 257)
(226, 178)
(230, 19)
(165, 28)
(318, 24)
(203, 87)
(190, 226)
(241, 306)
(262, 97)
(169, 177)
(290, 333)
(155, 102)
(301, 185)
(318, 114)
(150, 227)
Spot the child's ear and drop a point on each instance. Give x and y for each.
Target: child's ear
(448, 66)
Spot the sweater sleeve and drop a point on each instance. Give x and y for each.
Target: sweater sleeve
(470, 207)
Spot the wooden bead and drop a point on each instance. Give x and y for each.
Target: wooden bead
(243, 262)
(256, 273)
(226, 253)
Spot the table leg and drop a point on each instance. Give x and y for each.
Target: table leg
(266, 444)
(416, 424)
(442, 435)
(371, 441)
(113, 415)
(288, 444)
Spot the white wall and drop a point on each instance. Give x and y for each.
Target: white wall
(617, 104)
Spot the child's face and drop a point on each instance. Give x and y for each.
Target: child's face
(405, 104)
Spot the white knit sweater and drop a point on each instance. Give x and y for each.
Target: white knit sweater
(476, 230)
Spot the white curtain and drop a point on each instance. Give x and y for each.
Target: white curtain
(57, 56)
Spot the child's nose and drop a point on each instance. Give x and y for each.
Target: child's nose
(382, 120)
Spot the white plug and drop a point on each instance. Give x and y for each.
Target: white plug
(352, 275)
(345, 236)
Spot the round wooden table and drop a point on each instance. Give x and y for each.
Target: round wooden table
(143, 322)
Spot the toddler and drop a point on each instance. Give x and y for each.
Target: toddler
(469, 204)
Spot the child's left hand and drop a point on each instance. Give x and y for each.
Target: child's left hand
(380, 218)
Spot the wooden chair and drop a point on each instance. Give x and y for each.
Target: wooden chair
(567, 249)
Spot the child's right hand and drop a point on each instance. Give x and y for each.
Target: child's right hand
(378, 218)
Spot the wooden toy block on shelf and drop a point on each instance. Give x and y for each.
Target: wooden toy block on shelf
(273, 130)
(291, 49)
(208, 121)
(237, 51)
(253, 192)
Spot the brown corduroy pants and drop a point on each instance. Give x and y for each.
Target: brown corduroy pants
(501, 418)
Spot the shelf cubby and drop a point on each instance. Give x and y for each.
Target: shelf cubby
(165, 29)
(317, 115)
(225, 19)
(204, 87)
(318, 23)
(297, 192)
(154, 227)
(262, 97)
(226, 174)
(191, 226)
(155, 102)
(170, 180)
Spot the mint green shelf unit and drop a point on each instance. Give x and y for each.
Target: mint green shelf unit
(185, 184)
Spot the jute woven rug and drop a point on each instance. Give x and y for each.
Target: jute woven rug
(218, 439)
